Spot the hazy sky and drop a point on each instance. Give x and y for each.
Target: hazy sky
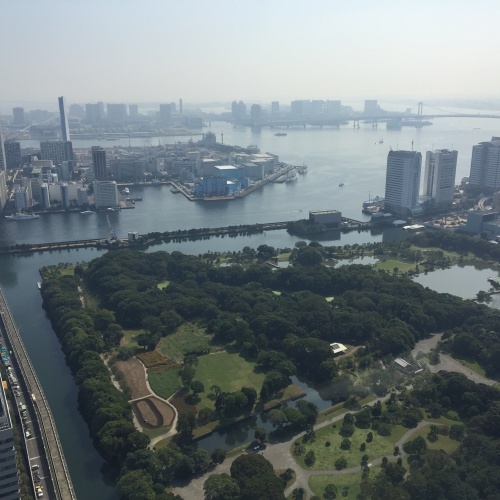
(256, 50)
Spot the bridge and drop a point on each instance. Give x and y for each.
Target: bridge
(59, 475)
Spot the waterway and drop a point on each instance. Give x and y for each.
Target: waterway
(345, 155)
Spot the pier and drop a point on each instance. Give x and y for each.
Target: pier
(59, 483)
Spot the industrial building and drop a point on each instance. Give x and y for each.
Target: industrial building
(331, 218)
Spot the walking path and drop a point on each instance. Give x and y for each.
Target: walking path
(280, 455)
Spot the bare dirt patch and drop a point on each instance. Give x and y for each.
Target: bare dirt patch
(152, 413)
(135, 378)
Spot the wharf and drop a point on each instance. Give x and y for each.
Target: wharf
(59, 474)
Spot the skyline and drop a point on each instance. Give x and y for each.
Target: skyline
(209, 52)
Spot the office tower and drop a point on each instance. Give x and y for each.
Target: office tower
(105, 194)
(3, 159)
(371, 107)
(238, 111)
(12, 154)
(133, 111)
(64, 121)
(45, 196)
(77, 111)
(256, 113)
(117, 112)
(99, 162)
(275, 107)
(3, 189)
(65, 196)
(439, 176)
(18, 116)
(165, 114)
(485, 167)
(333, 107)
(54, 150)
(9, 482)
(94, 113)
(402, 182)
(180, 106)
(39, 115)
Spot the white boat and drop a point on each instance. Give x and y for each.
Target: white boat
(126, 191)
(20, 216)
(87, 212)
(39, 285)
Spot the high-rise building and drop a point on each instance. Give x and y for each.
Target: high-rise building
(94, 113)
(77, 111)
(275, 107)
(3, 189)
(117, 112)
(165, 114)
(54, 150)
(402, 182)
(44, 196)
(39, 115)
(9, 482)
(256, 113)
(180, 106)
(105, 194)
(18, 116)
(439, 176)
(485, 167)
(99, 162)
(133, 111)
(3, 159)
(238, 111)
(64, 120)
(13, 154)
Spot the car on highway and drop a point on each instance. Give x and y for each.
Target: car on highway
(36, 477)
(35, 467)
(39, 491)
(28, 434)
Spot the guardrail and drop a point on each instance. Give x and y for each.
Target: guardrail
(61, 478)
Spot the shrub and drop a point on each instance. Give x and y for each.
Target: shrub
(341, 463)
(310, 458)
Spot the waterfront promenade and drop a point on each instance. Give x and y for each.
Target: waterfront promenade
(60, 478)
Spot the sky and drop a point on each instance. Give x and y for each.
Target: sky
(255, 50)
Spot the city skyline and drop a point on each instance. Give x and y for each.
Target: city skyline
(202, 51)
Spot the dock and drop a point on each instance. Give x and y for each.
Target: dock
(60, 483)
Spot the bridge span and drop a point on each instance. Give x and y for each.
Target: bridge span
(59, 474)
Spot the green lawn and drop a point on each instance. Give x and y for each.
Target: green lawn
(443, 442)
(352, 481)
(163, 284)
(472, 365)
(189, 337)
(390, 264)
(229, 371)
(128, 338)
(165, 382)
(327, 455)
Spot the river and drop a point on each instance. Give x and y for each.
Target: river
(334, 156)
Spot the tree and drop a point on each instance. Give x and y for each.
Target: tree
(260, 434)
(135, 485)
(197, 387)
(415, 446)
(310, 458)
(330, 492)
(457, 432)
(221, 487)
(187, 374)
(341, 463)
(245, 467)
(218, 455)
(186, 423)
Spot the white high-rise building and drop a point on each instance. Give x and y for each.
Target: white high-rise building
(439, 177)
(485, 167)
(402, 182)
(105, 194)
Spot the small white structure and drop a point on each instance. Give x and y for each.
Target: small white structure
(401, 363)
(338, 348)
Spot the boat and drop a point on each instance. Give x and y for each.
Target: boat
(381, 141)
(175, 191)
(87, 212)
(126, 191)
(20, 216)
(39, 285)
(341, 185)
(280, 134)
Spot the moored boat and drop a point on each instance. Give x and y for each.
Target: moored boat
(20, 216)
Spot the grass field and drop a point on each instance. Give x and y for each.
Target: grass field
(128, 337)
(443, 442)
(327, 455)
(352, 481)
(229, 371)
(390, 264)
(472, 365)
(189, 337)
(164, 383)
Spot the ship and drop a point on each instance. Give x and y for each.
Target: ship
(280, 134)
(20, 216)
(87, 212)
(126, 191)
